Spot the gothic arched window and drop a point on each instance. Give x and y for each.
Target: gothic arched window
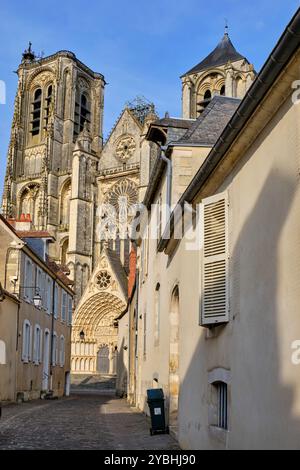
(48, 100)
(207, 95)
(36, 112)
(65, 203)
(29, 203)
(64, 251)
(222, 91)
(82, 113)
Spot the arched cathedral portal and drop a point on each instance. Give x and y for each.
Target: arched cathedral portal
(96, 351)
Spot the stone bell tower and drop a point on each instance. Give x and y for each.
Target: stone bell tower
(223, 72)
(56, 141)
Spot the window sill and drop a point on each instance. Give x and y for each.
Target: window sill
(218, 434)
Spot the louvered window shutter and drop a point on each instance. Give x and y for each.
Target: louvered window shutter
(41, 347)
(35, 344)
(215, 302)
(70, 310)
(24, 345)
(30, 344)
(56, 301)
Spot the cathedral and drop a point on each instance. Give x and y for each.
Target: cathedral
(63, 177)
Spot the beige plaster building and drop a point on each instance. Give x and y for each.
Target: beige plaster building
(218, 321)
(37, 335)
(9, 306)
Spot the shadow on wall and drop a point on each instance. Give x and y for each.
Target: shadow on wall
(122, 373)
(262, 411)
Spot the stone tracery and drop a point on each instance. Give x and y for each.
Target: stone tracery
(125, 147)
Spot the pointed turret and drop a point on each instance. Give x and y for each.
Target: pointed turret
(223, 53)
(223, 72)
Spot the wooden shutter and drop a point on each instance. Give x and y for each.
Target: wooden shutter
(35, 345)
(70, 310)
(25, 279)
(30, 343)
(24, 343)
(215, 302)
(64, 307)
(56, 301)
(41, 347)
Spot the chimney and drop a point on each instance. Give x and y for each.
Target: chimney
(23, 223)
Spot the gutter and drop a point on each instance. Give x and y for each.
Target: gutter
(282, 53)
(189, 144)
(169, 176)
(155, 177)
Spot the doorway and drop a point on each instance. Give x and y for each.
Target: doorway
(103, 360)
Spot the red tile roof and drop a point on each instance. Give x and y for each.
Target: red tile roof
(33, 234)
(58, 271)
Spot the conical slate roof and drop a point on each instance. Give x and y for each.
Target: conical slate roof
(224, 52)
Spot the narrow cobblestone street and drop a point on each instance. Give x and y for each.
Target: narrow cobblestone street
(83, 421)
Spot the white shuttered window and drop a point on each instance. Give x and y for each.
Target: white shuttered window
(56, 299)
(64, 306)
(215, 302)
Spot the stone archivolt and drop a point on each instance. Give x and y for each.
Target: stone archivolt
(96, 317)
(41, 78)
(94, 310)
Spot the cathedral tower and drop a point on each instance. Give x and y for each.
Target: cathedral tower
(56, 140)
(223, 72)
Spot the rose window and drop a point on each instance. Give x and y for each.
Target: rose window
(103, 280)
(125, 148)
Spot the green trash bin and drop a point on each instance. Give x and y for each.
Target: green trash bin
(156, 403)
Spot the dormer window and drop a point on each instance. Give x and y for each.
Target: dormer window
(82, 113)
(36, 112)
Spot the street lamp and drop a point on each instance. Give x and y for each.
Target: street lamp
(82, 335)
(37, 300)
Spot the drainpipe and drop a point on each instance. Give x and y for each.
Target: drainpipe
(169, 176)
(53, 307)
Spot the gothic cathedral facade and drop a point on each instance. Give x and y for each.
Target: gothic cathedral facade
(60, 175)
(63, 178)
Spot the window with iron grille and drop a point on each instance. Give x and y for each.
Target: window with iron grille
(222, 405)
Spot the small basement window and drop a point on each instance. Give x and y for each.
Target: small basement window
(222, 401)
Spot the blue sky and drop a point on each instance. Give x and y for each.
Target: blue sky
(141, 47)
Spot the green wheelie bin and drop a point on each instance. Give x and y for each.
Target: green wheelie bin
(156, 403)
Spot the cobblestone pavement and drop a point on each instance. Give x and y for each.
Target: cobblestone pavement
(82, 421)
